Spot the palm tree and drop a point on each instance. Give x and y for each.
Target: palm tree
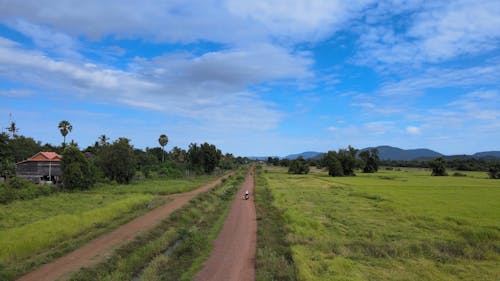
(163, 140)
(103, 140)
(65, 127)
(12, 128)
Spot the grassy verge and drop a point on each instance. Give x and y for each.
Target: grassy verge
(274, 257)
(390, 225)
(176, 248)
(157, 186)
(34, 232)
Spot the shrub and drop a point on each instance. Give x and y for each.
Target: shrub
(18, 183)
(298, 166)
(494, 171)
(458, 174)
(21, 189)
(438, 167)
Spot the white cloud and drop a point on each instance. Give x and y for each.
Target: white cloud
(305, 19)
(48, 40)
(233, 22)
(461, 27)
(412, 130)
(435, 78)
(211, 88)
(432, 32)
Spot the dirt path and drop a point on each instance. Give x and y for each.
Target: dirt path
(102, 246)
(233, 254)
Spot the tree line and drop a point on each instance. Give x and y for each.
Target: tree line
(345, 161)
(117, 160)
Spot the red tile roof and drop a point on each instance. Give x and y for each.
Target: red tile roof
(43, 156)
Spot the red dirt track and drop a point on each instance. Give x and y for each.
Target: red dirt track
(233, 253)
(102, 246)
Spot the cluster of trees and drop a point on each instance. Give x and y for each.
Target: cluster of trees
(114, 161)
(298, 166)
(339, 163)
(342, 162)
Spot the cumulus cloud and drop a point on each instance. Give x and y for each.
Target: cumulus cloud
(222, 21)
(211, 87)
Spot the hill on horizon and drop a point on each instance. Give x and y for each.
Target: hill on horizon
(387, 152)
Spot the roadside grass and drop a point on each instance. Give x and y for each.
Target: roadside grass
(390, 225)
(34, 232)
(176, 249)
(156, 186)
(273, 259)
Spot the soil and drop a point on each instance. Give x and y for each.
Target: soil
(103, 246)
(233, 253)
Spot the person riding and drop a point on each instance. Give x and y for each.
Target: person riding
(246, 194)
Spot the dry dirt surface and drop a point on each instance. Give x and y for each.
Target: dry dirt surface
(233, 253)
(103, 246)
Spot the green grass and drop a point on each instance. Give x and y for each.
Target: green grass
(390, 225)
(176, 249)
(273, 259)
(157, 186)
(33, 232)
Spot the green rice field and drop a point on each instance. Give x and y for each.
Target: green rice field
(390, 225)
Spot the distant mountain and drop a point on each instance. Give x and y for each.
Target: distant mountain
(386, 152)
(487, 154)
(393, 153)
(305, 155)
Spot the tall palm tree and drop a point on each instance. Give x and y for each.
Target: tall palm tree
(12, 128)
(163, 140)
(65, 127)
(103, 140)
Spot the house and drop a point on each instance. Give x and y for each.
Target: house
(42, 167)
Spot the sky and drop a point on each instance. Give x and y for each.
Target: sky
(255, 78)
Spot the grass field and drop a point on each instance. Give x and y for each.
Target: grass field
(36, 231)
(390, 225)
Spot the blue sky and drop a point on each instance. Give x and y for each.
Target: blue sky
(255, 77)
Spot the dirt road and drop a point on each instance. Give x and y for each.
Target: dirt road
(233, 253)
(102, 246)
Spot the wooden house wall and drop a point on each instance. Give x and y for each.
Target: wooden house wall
(38, 169)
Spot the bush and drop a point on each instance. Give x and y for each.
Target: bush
(438, 167)
(458, 174)
(18, 183)
(21, 189)
(298, 166)
(494, 171)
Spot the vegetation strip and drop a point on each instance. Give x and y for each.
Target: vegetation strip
(274, 258)
(177, 246)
